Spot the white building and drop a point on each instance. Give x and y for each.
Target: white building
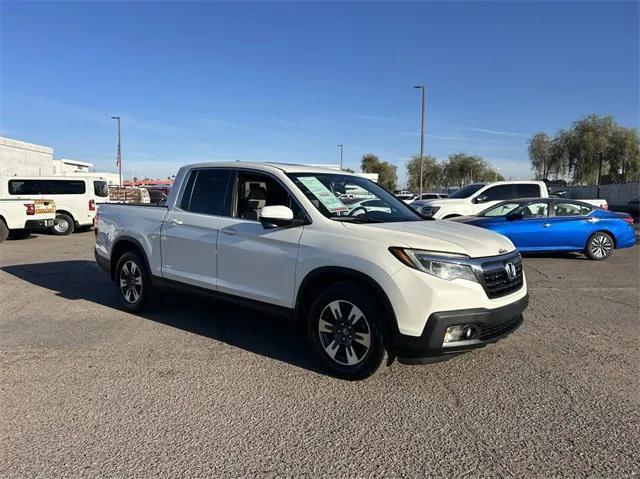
(27, 159)
(22, 158)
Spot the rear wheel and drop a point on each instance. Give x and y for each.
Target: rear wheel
(133, 282)
(599, 246)
(345, 332)
(64, 225)
(4, 231)
(19, 234)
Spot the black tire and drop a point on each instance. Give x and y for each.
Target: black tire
(137, 293)
(599, 246)
(64, 225)
(19, 234)
(4, 231)
(329, 332)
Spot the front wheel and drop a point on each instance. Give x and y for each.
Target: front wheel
(599, 246)
(344, 330)
(134, 284)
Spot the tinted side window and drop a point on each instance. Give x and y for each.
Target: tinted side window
(500, 192)
(528, 191)
(571, 209)
(24, 187)
(63, 187)
(186, 195)
(101, 189)
(209, 194)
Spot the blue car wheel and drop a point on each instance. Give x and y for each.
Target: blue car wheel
(599, 246)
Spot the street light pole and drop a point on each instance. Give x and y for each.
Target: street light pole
(118, 151)
(422, 88)
(341, 152)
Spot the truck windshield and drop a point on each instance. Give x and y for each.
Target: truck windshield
(352, 198)
(467, 191)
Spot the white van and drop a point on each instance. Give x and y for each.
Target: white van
(75, 197)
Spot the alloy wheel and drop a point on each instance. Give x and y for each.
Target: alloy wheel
(345, 333)
(601, 246)
(130, 282)
(61, 225)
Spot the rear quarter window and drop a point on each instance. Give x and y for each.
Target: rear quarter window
(101, 189)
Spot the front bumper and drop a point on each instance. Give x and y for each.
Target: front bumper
(493, 324)
(38, 224)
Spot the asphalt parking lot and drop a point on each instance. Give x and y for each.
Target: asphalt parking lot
(203, 389)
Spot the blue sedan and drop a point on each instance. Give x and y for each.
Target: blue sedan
(553, 224)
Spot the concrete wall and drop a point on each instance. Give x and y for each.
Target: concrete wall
(614, 194)
(22, 158)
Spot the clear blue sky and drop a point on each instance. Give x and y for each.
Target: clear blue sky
(289, 81)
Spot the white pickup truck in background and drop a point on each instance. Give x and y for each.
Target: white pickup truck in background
(365, 284)
(19, 216)
(474, 198)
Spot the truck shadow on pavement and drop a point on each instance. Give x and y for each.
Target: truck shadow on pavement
(238, 326)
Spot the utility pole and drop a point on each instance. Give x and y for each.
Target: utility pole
(341, 152)
(422, 88)
(118, 152)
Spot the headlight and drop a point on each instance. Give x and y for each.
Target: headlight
(445, 266)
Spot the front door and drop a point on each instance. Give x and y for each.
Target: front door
(533, 231)
(254, 262)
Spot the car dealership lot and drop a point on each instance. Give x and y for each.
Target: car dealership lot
(199, 388)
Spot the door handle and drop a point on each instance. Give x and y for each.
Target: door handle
(546, 225)
(591, 220)
(175, 222)
(229, 231)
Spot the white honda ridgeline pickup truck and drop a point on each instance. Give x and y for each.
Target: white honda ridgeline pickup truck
(365, 286)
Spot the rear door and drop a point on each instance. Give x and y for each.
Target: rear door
(190, 229)
(254, 262)
(571, 224)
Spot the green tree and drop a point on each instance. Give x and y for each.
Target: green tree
(387, 174)
(591, 144)
(432, 172)
(546, 155)
(458, 170)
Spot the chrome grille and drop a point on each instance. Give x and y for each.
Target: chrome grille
(496, 279)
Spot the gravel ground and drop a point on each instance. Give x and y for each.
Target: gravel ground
(200, 389)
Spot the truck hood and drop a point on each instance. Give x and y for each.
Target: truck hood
(444, 236)
(447, 202)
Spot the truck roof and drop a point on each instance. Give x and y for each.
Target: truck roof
(267, 166)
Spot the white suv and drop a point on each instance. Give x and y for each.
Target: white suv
(365, 285)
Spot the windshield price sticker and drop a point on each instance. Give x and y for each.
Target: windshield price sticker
(324, 195)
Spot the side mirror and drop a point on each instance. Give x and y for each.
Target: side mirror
(481, 198)
(275, 216)
(515, 216)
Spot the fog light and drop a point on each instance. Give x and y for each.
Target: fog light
(460, 333)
